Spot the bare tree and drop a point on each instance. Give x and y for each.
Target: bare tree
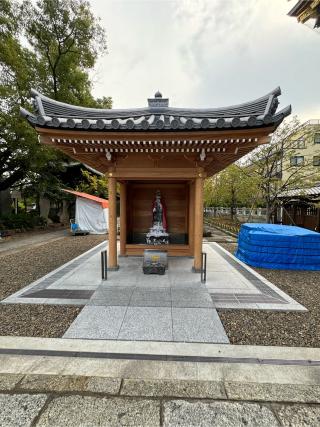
(281, 165)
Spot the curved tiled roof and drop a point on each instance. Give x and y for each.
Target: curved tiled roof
(158, 116)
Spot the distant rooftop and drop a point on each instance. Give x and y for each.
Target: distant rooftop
(307, 12)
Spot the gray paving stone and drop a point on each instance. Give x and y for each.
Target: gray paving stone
(20, 410)
(103, 385)
(70, 411)
(190, 286)
(159, 297)
(173, 388)
(273, 392)
(299, 415)
(191, 298)
(197, 325)
(97, 322)
(147, 323)
(153, 281)
(122, 278)
(9, 381)
(106, 290)
(218, 414)
(120, 284)
(184, 278)
(48, 383)
(105, 296)
(67, 383)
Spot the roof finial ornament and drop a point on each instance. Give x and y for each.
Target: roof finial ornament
(158, 101)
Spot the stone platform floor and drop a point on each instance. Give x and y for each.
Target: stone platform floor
(61, 382)
(174, 307)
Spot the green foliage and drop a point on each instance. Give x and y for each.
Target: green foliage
(93, 184)
(66, 39)
(21, 221)
(232, 187)
(50, 45)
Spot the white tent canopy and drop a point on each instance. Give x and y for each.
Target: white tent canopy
(91, 212)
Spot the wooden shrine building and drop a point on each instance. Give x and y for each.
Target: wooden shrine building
(157, 148)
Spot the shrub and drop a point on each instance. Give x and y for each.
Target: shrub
(21, 221)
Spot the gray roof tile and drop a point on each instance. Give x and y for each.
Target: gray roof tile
(157, 116)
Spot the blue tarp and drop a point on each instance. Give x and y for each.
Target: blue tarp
(279, 247)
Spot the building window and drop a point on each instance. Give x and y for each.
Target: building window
(296, 160)
(317, 138)
(316, 160)
(298, 143)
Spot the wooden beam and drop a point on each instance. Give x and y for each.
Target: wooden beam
(198, 223)
(156, 173)
(194, 135)
(191, 216)
(123, 218)
(112, 256)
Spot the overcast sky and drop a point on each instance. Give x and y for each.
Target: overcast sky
(207, 53)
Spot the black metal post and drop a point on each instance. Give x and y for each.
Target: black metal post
(104, 264)
(203, 267)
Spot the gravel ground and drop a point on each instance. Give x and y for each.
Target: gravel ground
(20, 269)
(262, 327)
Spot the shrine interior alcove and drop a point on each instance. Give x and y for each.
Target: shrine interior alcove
(175, 196)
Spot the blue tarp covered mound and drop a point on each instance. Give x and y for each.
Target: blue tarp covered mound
(279, 247)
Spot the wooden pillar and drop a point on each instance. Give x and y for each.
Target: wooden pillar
(191, 217)
(112, 253)
(198, 223)
(123, 218)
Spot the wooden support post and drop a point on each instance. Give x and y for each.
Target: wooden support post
(112, 258)
(191, 217)
(123, 218)
(198, 223)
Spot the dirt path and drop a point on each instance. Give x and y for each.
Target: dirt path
(19, 242)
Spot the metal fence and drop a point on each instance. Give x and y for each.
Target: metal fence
(244, 212)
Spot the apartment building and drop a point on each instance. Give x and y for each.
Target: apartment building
(303, 150)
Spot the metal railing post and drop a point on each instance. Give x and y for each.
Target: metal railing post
(203, 267)
(104, 264)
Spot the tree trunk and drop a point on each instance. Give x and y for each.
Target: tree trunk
(5, 202)
(268, 213)
(233, 204)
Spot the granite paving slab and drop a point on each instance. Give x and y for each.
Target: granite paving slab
(147, 323)
(173, 388)
(270, 392)
(197, 325)
(191, 298)
(70, 411)
(153, 280)
(97, 322)
(248, 288)
(111, 297)
(20, 410)
(8, 382)
(219, 414)
(298, 415)
(69, 383)
(144, 297)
